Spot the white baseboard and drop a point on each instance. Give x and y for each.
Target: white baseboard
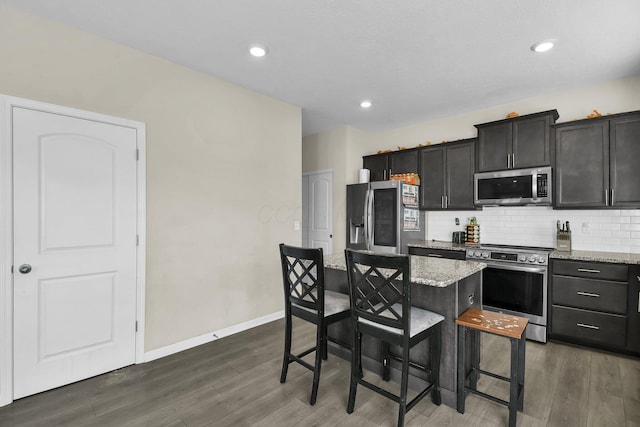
(211, 336)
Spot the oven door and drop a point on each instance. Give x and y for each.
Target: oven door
(520, 290)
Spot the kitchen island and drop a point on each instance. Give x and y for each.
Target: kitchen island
(447, 287)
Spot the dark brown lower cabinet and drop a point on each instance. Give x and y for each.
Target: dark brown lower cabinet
(633, 313)
(590, 304)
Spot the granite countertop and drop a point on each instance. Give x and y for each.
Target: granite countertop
(439, 244)
(438, 272)
(596, 256)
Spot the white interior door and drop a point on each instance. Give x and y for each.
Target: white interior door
(320, 210)
(75, 230)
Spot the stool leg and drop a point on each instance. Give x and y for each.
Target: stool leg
(513, 384)
(435, 346)
(461, 369)
(521, 360)
(318, 364)
(475, 358)
(287, 348)
(356, 371)
(386, 369)
(325, 342)
(404, 383)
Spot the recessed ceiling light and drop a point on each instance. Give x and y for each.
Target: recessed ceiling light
(257, 50)
(366, 104)
(542, 46)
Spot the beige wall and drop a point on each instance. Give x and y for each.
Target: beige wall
(223, 169)
(611, 97)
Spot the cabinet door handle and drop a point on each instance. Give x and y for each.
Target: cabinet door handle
(606, 197)
(508, 161)
(442, 202)
(446, 202)
(513, 160)
(583, 325)
(588, 294)
(588, 270)
(612, 197)
(638, 302)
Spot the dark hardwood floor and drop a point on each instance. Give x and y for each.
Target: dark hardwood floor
(234, 381)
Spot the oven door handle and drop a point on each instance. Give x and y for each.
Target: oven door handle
(524, 268)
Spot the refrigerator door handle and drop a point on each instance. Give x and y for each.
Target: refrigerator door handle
(369, 219)
(365, 217)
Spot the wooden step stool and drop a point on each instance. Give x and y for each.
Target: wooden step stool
(512, 327)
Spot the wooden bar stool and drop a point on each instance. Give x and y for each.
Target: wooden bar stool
(512, 327)
(380, 292)
(306, 298)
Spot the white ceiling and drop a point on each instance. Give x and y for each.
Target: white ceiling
(416, 60)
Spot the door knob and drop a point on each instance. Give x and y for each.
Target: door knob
(24, 268)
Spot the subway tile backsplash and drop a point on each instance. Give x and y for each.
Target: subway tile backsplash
(592, 230)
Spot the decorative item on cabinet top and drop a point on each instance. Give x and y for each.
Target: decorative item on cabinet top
(409, 178)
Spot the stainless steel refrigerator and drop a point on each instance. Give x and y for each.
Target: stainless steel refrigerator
(383, 216)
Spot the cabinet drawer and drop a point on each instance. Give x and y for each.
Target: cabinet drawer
(590, 294)
(591, 270)
(438, 253)
(589, 326)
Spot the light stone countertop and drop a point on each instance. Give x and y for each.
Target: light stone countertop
(438, 272)
(596, 256)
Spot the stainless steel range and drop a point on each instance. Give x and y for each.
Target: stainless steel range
(515, 282)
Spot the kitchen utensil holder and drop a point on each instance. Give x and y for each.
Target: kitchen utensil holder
(563, 241)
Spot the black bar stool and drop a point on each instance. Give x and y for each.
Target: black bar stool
(380, 291)
(306, 298)
(512, 327)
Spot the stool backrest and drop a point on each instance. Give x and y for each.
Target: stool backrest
(380, 289)
(303, 278)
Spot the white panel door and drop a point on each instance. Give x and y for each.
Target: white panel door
(320, 211)
(75, 228)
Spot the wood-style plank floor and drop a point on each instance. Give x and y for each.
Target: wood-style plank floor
(234, 381)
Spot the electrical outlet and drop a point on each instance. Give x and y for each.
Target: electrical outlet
(585, 227)
(457, 221)
(296, 225)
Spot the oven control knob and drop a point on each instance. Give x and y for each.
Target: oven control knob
(522, 258)
(540, 260)
(485, 255)
(476, 253)
(532, 259)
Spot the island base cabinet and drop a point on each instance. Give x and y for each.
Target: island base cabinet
(589, 326)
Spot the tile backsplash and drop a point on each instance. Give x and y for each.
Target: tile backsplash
(592, 230)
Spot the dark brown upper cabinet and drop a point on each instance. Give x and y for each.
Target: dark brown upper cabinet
(382, 166)
(521, 142)
(597, 162)
(446, 175)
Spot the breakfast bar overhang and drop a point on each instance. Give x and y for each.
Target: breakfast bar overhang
(447, 287)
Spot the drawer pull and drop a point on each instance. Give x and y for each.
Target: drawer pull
(588, 270)
(435, 255)
(588, 294)
(583, 325)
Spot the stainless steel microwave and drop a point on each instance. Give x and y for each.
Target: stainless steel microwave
(514, 187)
